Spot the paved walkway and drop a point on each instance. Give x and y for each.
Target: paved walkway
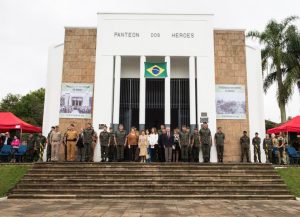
(131, 208)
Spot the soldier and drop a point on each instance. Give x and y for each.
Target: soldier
(195, 143)
(245, 146)
(256, 146)
(206, 142)
(184, 142)
(268, 148)
(55, 140)
(111, 146)
(104, 142)
(162, 127)
(88, 137)
(120, 142)
(40, 144)
(49, 144)
(30, 148)
(71, 140)
(219, 141)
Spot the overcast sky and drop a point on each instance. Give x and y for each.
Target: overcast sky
(29, 27)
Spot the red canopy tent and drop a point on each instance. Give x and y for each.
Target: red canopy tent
(292, 125)
(8, 121)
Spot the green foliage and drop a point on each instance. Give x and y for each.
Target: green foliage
(277, 58)
(29, 108)
(10, 175)
(270, 124)
(291, 177)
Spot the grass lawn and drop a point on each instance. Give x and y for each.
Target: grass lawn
(10, 175)
(291, 177)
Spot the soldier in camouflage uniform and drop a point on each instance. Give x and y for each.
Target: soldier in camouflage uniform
(219, 141)
(39, 147)
(87, 137)
(184, 142)
(111, 146)
(256, 148)
(245, 146)
(120, 142)
(206, 142)
(268, 148)
(104, 142)
(195, 142)
(30, 148)
(49, 144)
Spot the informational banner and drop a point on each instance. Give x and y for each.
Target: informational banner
(230, 102)
(155, 70)
(76, 100)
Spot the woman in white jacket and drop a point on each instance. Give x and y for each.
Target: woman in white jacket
(153, 142)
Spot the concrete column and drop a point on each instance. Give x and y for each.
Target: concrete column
(142, 112)
(168, 93)
(192, 93)
(117, 79)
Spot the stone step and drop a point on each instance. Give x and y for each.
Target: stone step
(158, 196)
(149, 186)
(150, 180)
(132, 190)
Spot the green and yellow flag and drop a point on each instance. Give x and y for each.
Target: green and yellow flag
(155, 70)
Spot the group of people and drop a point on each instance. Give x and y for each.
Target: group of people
(150, 145)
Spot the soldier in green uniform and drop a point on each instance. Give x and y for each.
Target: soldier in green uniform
(219, 141)
(104, 142)
(206, 142)
(49, 144)
(87, 137)
(268, 148)
(184, 142)
(39, 147)
(195, 141)
(111, 146)
(30, 148)
(120, 142)
(245, 146)
(162, 127)
(256, 147)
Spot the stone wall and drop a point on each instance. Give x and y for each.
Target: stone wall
(79, 64)
(230, 68)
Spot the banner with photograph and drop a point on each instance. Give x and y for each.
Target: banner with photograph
(76, 100)
(230, 102)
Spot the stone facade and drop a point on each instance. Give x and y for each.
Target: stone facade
(79, 63)
(230, 68)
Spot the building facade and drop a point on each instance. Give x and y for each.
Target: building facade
(211, 76)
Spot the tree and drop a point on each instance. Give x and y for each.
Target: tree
(274, 40)
(29, 108)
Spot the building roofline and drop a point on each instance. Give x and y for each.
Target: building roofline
(80, 27)
(230, 29)
(154, 13)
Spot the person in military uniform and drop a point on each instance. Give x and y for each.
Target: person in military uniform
(245, 146)
(256, 147)
(120, 142)
(281, 149)
(49, 144)
(104, 143)
(206, 142)
(268, 148)
(79, 145)
(39, 147)
(88, 134)
(30, 148)
(71, 139)
(162, 127)
(184, 142)
(195, 143)
(55, 140)
(111, 146)
(219, 141)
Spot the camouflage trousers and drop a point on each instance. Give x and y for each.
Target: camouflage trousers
(206, 152)
(120, 152)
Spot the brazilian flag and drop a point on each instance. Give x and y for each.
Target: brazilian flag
(155, 70)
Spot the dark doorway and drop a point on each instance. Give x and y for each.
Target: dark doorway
(129, 102)
(155, 102)
(180, 102)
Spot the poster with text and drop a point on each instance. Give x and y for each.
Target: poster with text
(76, 100)
(230, 102)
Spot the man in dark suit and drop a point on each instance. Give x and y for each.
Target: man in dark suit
(162, 141)
(168, 145)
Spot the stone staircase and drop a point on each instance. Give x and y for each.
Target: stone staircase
(151, 181)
